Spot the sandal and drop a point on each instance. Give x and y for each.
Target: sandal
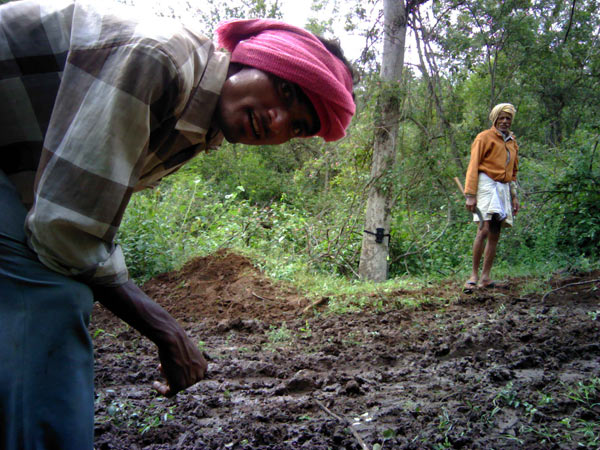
(494, 285)
(469, 287)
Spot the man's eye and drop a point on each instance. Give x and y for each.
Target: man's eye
(298, 129)
(288, 91)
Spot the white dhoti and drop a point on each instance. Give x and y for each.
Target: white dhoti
(493, 197)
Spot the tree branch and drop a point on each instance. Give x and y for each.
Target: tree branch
(570, 22)
(568, 285)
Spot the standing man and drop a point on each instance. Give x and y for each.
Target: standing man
(490, 185)
(95, 104)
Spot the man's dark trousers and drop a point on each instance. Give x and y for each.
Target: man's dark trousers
(46, 356)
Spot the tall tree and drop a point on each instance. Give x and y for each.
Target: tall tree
(561, 67)
(375, 246)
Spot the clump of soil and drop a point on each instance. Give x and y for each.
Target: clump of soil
(223, 286)
(501, 368)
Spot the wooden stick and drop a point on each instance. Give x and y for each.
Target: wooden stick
(459, 184)
(567, 285)
(262, 298)
(314, 304)
(344, 422)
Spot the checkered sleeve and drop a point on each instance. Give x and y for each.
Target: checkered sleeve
(95, 147)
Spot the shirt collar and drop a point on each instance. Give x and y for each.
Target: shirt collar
(197, 115)
(511, 135)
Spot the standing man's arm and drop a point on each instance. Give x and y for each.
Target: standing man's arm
(513, 186)
(514, 198)
(181, 362)
(472, 176)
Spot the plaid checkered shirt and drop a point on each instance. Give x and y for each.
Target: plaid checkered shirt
(94, 105)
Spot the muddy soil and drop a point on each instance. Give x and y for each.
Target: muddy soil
(511, 367)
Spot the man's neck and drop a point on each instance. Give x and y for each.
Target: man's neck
(506, 135)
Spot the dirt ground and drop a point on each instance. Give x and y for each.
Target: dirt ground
(512, 367)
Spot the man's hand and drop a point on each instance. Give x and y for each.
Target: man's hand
(182, 363)
(471, 203)
(515, 206)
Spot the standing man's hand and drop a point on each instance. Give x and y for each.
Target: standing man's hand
(182, 364)
(515, 206)
(471, 202)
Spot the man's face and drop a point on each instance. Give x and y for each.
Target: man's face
(256, 108)
(503, 122)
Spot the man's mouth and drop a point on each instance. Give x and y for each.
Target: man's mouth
(254, 124)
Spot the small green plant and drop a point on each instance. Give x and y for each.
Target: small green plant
(305, 331)
(98, 332)
(279, 334)
(530, 409)
(594, 314)
(388, 435)
(156, 420)
(507, 396)
(586, 394)
(590, 434)
(569, 432)
(352, 339)
(545, 434)
(501, 309)
(545, 399)
(445, 426)
(514, 438)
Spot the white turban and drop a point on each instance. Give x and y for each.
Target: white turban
(502, 107)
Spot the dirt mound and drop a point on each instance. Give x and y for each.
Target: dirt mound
(223, 286)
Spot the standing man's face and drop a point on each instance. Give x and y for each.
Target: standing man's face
(503, 122)
(256, 108)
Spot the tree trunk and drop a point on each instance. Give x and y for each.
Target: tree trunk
(374, 254)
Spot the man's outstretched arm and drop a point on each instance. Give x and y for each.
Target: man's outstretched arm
(182, 363)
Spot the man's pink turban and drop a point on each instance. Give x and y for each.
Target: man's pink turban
(298, 56)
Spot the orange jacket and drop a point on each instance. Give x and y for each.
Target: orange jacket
(488, 154)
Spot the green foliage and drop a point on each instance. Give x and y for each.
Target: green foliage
(212, 12)
(263, 171)
(577, 196)
(570, 432)
(279, 336)
(127, 414)
(164, 227)
(298, 209)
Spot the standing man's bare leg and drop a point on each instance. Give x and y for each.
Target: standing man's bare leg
(478, 248)
(490, 252)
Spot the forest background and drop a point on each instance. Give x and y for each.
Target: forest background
(298, 210)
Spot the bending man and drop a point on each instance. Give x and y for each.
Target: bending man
(96, 104)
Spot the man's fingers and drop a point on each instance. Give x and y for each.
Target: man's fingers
(161, 388)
